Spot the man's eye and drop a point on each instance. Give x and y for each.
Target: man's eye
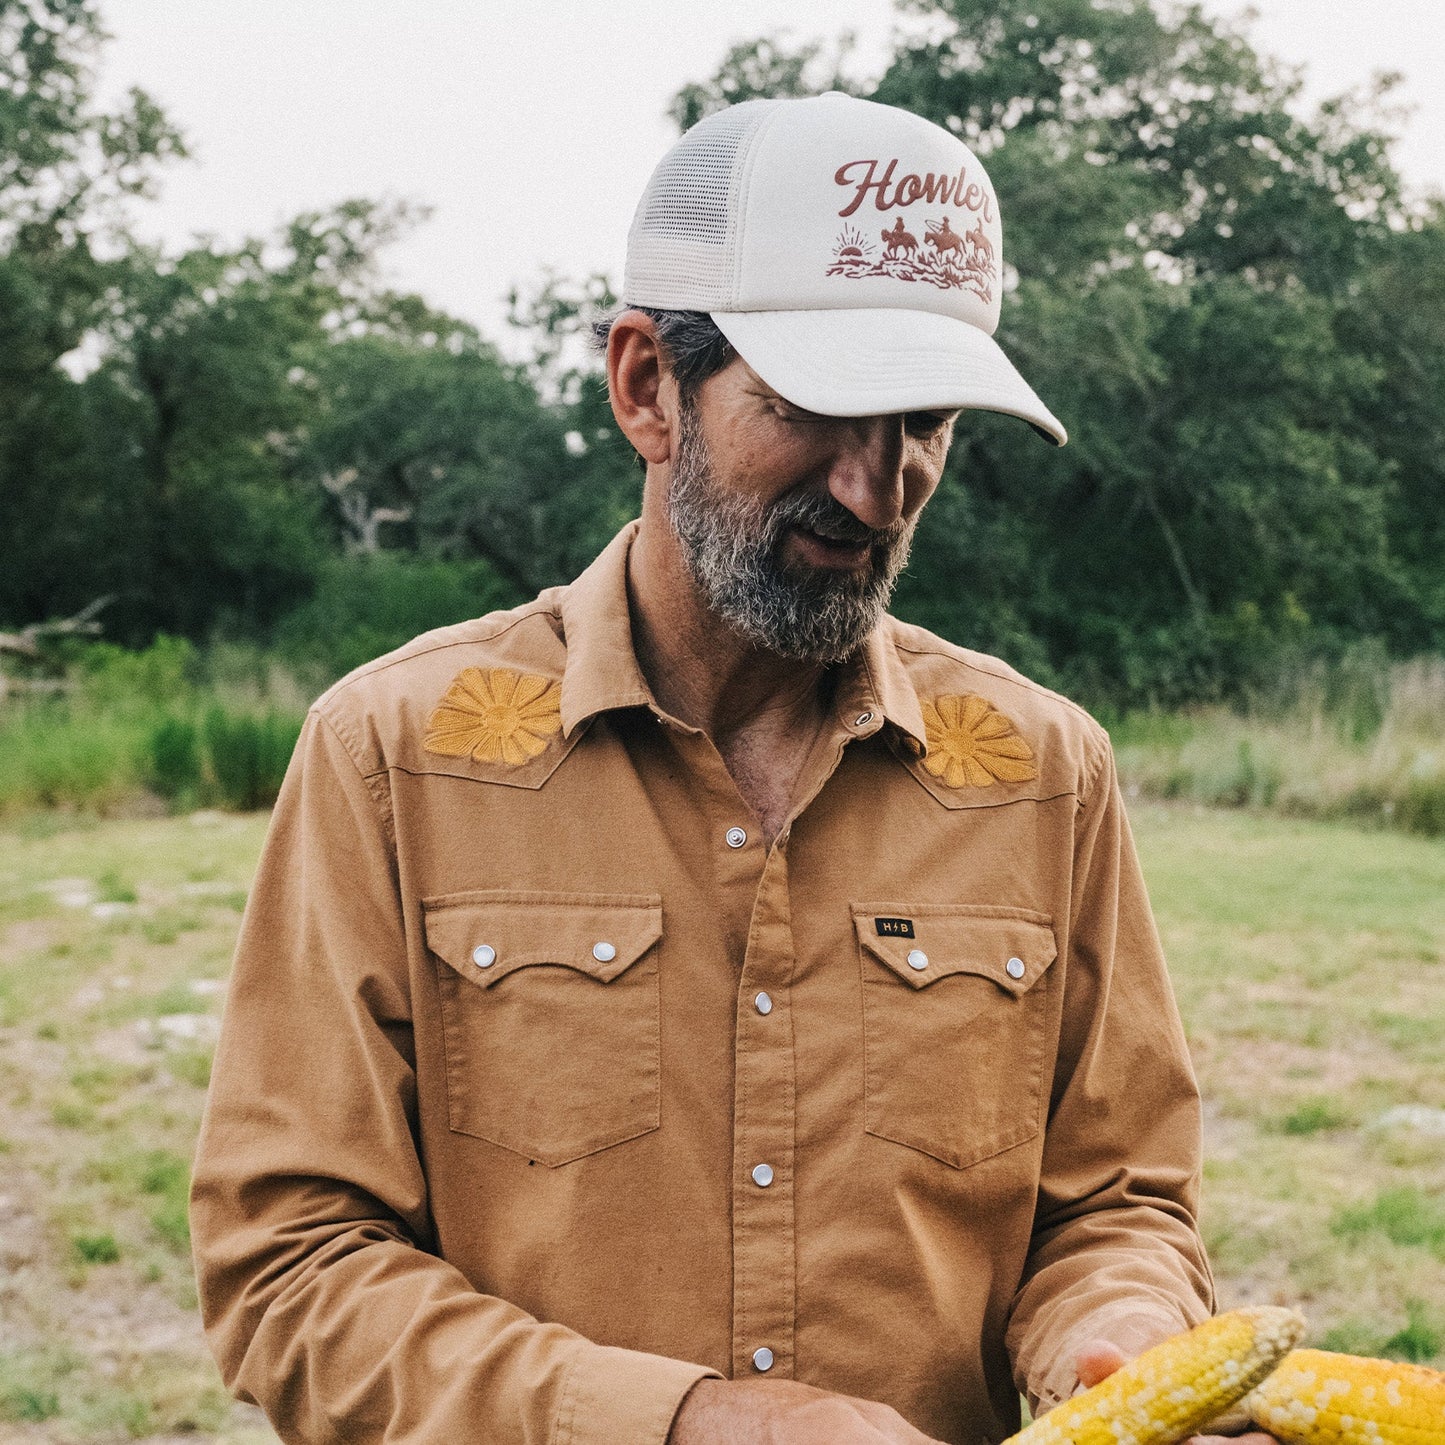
(928, 423)
(791, 413)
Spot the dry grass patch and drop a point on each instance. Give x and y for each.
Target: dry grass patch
(1309, 960)
(114, 945)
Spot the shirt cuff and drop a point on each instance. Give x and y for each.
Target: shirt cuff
(614, 1394)
(1132, 1326)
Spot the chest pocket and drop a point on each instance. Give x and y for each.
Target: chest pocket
(550, 1018)
(954, 1026)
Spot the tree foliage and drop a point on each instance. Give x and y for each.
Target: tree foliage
(1228, 298)
(172, 427)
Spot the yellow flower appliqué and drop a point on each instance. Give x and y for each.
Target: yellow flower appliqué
(495, 716)
(972, 744)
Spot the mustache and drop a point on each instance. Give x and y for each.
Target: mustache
(818, 512)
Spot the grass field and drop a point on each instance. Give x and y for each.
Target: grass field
(1309, 960)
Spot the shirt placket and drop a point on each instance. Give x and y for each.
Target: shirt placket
(764, 1116)
(765, 1082)
(765, 1087)
(764, 1267)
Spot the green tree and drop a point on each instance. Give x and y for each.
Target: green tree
(66, 169)
(1395, 316)
(1212, 291)
(443, 444)
(602, 487)
(764, 69)
(185, 427)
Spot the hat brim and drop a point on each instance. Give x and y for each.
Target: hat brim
(877, 360)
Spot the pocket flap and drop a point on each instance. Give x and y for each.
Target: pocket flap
(485, 936)
(920, 945)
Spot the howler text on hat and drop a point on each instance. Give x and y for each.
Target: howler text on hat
(851, 252)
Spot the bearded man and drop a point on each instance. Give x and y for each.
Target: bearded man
(696, 1006)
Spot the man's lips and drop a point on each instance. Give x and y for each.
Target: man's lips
(823, 552)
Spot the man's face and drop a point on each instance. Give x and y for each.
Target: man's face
(769, 520)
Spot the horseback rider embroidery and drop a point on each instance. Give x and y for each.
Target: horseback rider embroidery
(898, 240)
(946, 259)
(943, 237)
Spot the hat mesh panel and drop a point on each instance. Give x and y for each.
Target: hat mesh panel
(681, 251)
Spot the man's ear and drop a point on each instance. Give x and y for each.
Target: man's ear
(640, 386)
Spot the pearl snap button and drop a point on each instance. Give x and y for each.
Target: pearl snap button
(603, 952)
(484, 955)
(763, 1359)
(1015, 968)
(863, 719)
(763, 1004)
(736, 837)
(762, 1175)
(917, 959)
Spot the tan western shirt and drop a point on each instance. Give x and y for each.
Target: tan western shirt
(546, 1087)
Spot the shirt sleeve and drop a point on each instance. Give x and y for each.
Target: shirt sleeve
(321, 1288)
(1116, 1251)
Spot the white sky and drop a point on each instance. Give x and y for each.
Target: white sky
(530, 126)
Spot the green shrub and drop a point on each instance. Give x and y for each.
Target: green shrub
(69, 755)
(71, 1113)
(110, 887)
(52, 756)
(28, 1403)
(191, 1066)
(168, 1176)
(172, 758)
(1419, 1342)
(1148, 728)
(1420, 805)
(365, 606)
(95, 1248)
(248, 755)
(120, 679)
(1404, 1216)
(172, 1225)
(29, 1384)
(164, 1173)
(1246, 780)
(1313, 1116)
(1356, 738)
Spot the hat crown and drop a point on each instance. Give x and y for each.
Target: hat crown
(825, 203)
(850, 252)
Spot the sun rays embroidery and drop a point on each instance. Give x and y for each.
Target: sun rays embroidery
(495, 716)
(972, 744)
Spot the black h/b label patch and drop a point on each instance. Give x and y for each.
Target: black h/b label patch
(894, 927)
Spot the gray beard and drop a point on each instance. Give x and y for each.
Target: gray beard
(731, 544)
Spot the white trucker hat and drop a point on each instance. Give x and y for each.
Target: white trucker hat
(849, 251)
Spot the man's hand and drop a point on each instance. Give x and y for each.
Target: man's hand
(1099, 1359)
(784, 1412)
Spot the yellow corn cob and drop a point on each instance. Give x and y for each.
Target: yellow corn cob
(1316, 1397)
(1168, 1392)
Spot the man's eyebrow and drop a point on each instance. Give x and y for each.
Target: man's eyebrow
(768, 393)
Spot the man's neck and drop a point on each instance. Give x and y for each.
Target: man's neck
(700, 669)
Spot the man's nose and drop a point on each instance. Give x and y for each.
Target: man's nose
(867, 471)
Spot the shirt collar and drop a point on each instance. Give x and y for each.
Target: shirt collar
(883, 685)
(602, 672)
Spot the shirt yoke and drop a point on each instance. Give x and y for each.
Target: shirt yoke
(381, 710)
(1069, 748)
